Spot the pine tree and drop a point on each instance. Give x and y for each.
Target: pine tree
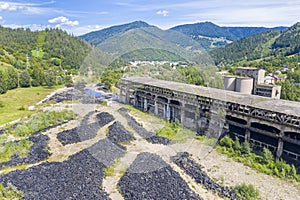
(50, 78)
(13, 78)
(24, 79)
(3, 81)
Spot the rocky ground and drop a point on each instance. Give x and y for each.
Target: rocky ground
(71, 162)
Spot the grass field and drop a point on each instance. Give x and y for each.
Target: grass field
(14, 103)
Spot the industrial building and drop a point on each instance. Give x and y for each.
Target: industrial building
(251, 81)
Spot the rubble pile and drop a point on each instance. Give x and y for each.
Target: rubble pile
(191, 168)
(149, 177)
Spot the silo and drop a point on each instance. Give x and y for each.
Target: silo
(229, 83)
(244, 85)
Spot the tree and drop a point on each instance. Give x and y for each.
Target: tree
(3, 81)
(24, 79)
(50, 78)
(37, 76)
(13, 78)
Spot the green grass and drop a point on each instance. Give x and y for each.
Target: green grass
(175, 132)
(13, 101)
(110, 170)
(10, 192)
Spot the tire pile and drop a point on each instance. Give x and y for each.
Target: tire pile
(85, 131)
(191, 168)
(80, 177)
(37, 152)
(147, 135)
(118, 134)
(149, 177)
(73, 95)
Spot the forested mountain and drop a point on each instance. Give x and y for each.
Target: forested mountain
(97, 37)
(34, 58)
(289, 42)
(260, 46)
(210, 35)
(48, 46)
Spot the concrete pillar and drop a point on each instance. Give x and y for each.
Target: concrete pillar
(155, 107)
(135, 100)
(280, 144)
(279, 148)
(145, 104)
(247, 133)
(182, 114)
(127, 96)
(168, 112)
(197, 118)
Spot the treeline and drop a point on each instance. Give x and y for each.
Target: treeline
(11, 78)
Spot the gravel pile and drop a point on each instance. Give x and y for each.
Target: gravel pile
(37, 152)
(73, 95)
(149, 177)
(80, 177)
(85, 131)
(192, 169)
(149, 136)
(117, 133)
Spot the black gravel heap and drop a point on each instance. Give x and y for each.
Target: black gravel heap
(37, 152)
(117, 133)
(149, 177)
(80, 177)
(106, 151)
(75, 95)
(149, 136)
(85, 131)
(192, 169)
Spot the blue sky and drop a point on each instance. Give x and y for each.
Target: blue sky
(79, 17)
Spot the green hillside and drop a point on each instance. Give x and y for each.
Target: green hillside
(34, 58)
(210, 35)
(272, 45)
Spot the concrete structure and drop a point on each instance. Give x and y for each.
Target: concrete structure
(252, 81)
(272, 91)
(229, 83)
(265, 122)
(244, 85)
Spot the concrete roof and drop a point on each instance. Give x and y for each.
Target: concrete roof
(277, 105)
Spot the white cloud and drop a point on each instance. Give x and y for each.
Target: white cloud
(163, 13)
(26, 8)
(63, 21)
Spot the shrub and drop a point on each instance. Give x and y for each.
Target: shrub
(10, 192)
(246, 149)
(247, 191)
(227, 142)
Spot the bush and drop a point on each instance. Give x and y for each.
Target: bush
(227, 142)
(10, 192)
(246, 149)
(247, 191)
